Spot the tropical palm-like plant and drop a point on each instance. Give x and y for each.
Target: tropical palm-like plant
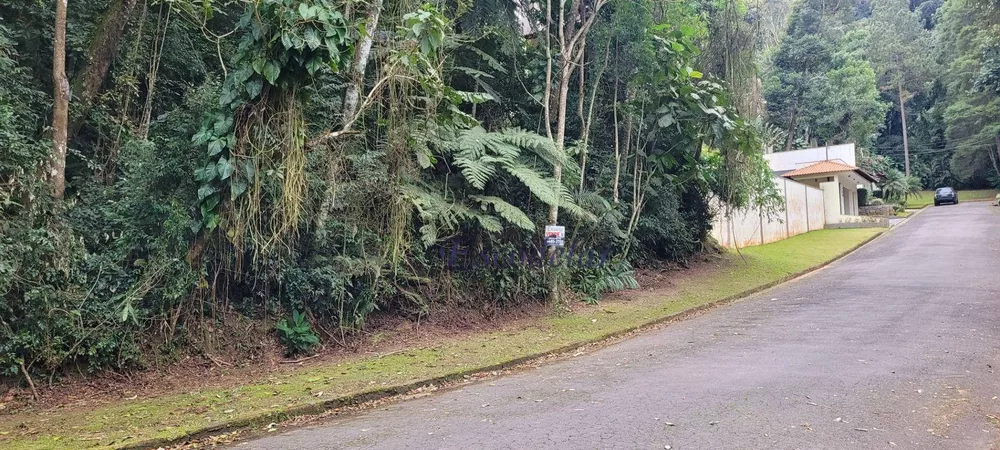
(897, 187)
(482, 157)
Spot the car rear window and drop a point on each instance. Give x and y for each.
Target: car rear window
(944, 190)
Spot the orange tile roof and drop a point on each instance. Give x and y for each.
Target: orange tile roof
(824, 167)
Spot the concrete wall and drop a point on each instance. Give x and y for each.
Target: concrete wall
(831, 201)
(742, 229)
(816, 209)
(803, 212)
(797, 207)
(773, 228)
(794, 159)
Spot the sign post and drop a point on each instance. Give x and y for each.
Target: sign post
(555, 236)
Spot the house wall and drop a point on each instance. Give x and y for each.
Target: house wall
(803, 212)
(816, 209)
(831, 201)
(794, 159)
(849, 188)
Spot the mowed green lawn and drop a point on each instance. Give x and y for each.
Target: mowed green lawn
(925, 198)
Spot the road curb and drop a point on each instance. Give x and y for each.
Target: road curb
(391, 391)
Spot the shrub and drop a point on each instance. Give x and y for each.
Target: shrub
(615, 275)
(297, 335)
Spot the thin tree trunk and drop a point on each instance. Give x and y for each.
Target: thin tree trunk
(349, 110)
(154, 69)
(60, 110)
(102, 52)
(360, 63)
(996, 159)
(791, 126)
(582, 93)
(590, 114)
(560, 140)
(902, 119)
(618, 157)
(547, 95)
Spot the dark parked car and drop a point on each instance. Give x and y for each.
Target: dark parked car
(945, 195)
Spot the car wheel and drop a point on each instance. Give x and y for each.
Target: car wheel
(937, 204)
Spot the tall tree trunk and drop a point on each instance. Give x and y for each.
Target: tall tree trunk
(103, 50)
(996, 160)
(590, 114)
(349, 110)
(902, 119)
(791, 126)
(360, 63)
(159, 39)
(618, 154)
(60, 109)
(560, 139)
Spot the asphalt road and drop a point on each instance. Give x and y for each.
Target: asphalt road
(894, 346)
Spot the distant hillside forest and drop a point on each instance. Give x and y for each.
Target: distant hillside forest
(174, 170)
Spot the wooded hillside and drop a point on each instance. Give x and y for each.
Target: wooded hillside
(172, 171)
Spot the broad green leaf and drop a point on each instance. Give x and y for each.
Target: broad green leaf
(211, 221)
(210, 202)
(222, 125)
(215, 147)
(312, 38)
(204, 191)
(254, 87)
(424, 160)
(224, 168)
(271, 71)
(305, 11)
(237, 187)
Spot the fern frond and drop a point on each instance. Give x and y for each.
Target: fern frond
(477, 171)
(540, 145)
(509, 212)
(539, 185)
(489, 223)
(567, 202)
(439, 214)
(489, 59)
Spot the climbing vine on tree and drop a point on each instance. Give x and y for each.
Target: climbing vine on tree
(255, 141)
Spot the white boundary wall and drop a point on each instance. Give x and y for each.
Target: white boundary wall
(804, 211)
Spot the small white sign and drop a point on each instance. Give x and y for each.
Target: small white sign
(555, 236)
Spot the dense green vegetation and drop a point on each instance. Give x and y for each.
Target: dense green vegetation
(225, 164)
(912, 83)
(279, 395)
(176, 172)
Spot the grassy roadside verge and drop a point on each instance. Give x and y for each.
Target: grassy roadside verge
(925, 198)
(150, 421)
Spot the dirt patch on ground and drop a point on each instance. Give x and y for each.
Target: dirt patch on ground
(385, 334)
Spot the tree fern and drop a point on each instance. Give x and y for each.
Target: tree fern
(483, 156)
(539, 185)
(509, 212)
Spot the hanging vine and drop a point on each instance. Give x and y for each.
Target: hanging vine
(253, 181)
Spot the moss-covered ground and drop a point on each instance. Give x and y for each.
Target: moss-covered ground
(310, 389)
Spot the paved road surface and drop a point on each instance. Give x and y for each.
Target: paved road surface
(895, 346)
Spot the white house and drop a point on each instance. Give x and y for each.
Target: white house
(832, 169)
(819, 187)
